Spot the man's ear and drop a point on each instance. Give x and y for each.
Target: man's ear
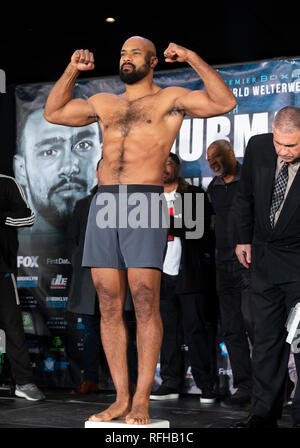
(154, 62)
(20, 171)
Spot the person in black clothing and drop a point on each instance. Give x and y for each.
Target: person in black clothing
(182, 296)
(232, 279)
(15, 213)
(268, 243)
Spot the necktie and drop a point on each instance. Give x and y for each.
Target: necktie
(279, 190)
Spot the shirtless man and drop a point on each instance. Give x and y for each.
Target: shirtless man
(138, 130)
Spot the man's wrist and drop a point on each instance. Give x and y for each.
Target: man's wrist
(192, 56)
(72, 71)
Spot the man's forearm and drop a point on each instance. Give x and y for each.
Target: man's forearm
(61, 93)
(215, 86)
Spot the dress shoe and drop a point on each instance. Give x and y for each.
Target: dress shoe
(255, 421)
(87, 387)
(240, 398)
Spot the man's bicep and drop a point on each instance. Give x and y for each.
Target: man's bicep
(197, 104)
(77, 112)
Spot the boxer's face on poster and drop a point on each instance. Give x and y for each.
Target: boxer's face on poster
(60, 165)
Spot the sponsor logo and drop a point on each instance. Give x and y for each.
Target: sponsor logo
(27, 282)
(57, 323)
(28, 302)
(56, 302)
(80, 324)
(57, 342)
(49, 364)
(58, 261)
(28, 261)
(59, 282)
(28, 323)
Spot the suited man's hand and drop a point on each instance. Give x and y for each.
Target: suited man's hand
(243, 252)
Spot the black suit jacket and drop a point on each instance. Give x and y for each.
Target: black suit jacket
(82, 295)
(275, 252)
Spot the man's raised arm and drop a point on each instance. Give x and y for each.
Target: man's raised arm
(216, 100)
(60, 108)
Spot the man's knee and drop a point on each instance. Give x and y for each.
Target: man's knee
(145, 302)
(110, 304)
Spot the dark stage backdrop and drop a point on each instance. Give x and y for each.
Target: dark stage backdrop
(46, 154)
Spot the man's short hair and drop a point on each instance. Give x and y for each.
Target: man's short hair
(222, 144)
(287, 119)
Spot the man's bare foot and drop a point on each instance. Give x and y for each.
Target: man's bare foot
(119, 409)
(139, 414)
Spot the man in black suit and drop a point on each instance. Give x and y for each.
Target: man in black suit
(268, 221)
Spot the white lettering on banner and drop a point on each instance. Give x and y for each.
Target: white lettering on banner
(270, 89)
(184, 141)
(191, 149)
(193, 140)
(217, 128)
(241, 91)
(243, 130)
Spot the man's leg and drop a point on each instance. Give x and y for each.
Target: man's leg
(194, 322)
(171, 359)
(229, 288)
(144, 284)
(12, 323)
(270, 351)
(111, 288)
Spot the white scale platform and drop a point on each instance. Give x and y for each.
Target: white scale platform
(122, 424)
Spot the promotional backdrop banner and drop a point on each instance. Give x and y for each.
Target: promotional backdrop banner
(56, 167)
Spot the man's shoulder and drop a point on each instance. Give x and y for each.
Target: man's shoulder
(173, 91)
(8, 180)
(261, 138)
(212, 183)
(261, 146)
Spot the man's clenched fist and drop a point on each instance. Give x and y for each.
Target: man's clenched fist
(175, 53)
(83, 60)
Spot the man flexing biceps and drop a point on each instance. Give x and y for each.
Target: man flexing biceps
(138, 130)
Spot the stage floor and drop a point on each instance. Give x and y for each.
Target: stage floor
(63, 409)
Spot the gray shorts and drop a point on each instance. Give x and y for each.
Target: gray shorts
(127, 228)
